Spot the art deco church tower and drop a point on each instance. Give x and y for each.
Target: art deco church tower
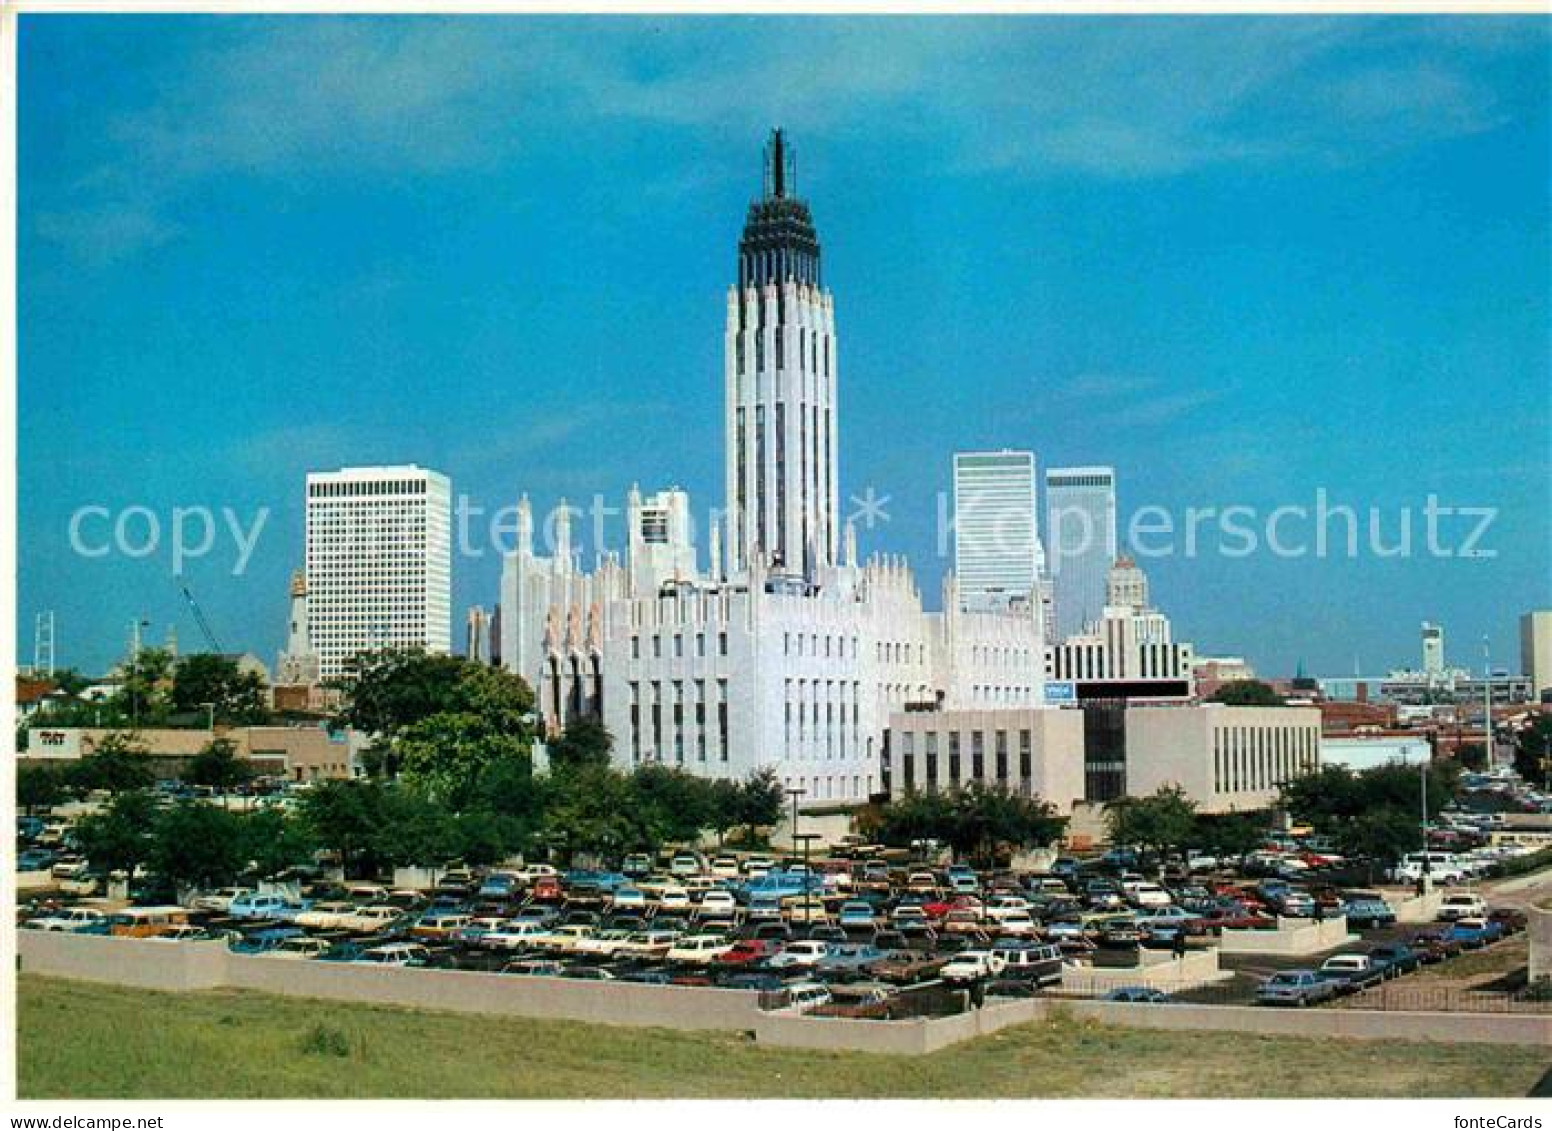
(780, 387)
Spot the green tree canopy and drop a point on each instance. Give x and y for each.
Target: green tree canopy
(447, 755)
(584, 745)
(344, 817)
(1533, 749)
(118, 836)
(1161, 822)
(274, 841)
(976, 821)
(218, 766)
(389, 690)
(38, 786)
(117, 764)
(206, 679)
(197, 845)
(1247, 693)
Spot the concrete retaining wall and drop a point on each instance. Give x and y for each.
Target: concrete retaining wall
(154, 965)
(1292, 937)
(1453, 1028)
(1419, 908)
(1540, 931)
(913, 1037)
(1197, 968)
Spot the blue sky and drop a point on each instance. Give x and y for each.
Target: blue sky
(1240, 259)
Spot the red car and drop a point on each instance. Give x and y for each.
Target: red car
(1238, 918)
(548, 889)
(748, 952)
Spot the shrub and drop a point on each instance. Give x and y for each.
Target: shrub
(325, 1040)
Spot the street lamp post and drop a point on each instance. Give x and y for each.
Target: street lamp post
(795, 793)
(808, 886)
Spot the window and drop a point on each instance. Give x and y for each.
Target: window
(978, 756)
(1001, 756)
(953, 758)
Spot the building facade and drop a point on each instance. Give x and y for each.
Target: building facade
(997, 555)
(1080, 542)
(780, 648)
(1032, 751)
(379, 562)
(1225, 758)
(1536, 652)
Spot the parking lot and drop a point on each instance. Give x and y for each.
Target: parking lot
(862, 933)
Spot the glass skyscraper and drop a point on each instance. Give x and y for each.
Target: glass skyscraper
(1080, 508)
(996, 540)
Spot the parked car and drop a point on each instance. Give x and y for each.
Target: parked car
(220, 900)
(1474, 932)
(1463, 905)
(1435, 945)
(1138, 995)
(857, 915)
(71, 920)
(1366, 912)
(1040, 963)
(803, 952)
(698, 949)
(1397, 958)
(395, 954)
(1352, 972)
(263, 905)
(803, 996)
(1296, 987)
(970, 965)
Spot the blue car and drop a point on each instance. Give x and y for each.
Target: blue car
(35, 860)
(264, 905)
(1473, 933)
(261, 942)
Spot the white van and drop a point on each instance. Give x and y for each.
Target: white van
(803, 996)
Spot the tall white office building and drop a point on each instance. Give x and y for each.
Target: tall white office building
(780, 405)
(996, 540)
(379, 562)
(774, 645)
(1080, 504)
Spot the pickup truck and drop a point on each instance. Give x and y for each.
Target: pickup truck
(1352, 972)
(904, 967)
(1396, 958)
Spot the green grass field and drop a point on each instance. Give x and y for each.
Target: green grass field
(84, 1041)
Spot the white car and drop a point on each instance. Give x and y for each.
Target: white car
(725, 867)
(968, 965)
(67, 919)
(718, 903)
(299, 949)
(698, 948)
(1006, 906)
(804, 952)
(395, 954)
(803, 996)
(1466, 906)
(330, 915)
(527, 874)
(605, 944)
(370, 920)
(673, 899)
(513, 935)
(1018, 924)
(220, 900)
(1148, 895)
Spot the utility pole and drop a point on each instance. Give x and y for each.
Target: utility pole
(1487, 701)
(795, 793)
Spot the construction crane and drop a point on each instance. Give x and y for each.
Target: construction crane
(199, 619)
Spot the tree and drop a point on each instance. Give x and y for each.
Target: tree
(142, 695)
(724, 807)
(387, 691)
(38, 786)
(118, 836)
(760, 798)
(1246, 693)
(1533, 749)
(195, 845)
(1381, 836)
(218, 766)
(446, 755)
(976, 821)
(117, 764)
(1472, 755)
(584, 744)
(274, 841)
(344, 816)
(1163, 821)
(676, 805)
(1230, 834)
(209, 682)
(413, 830)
